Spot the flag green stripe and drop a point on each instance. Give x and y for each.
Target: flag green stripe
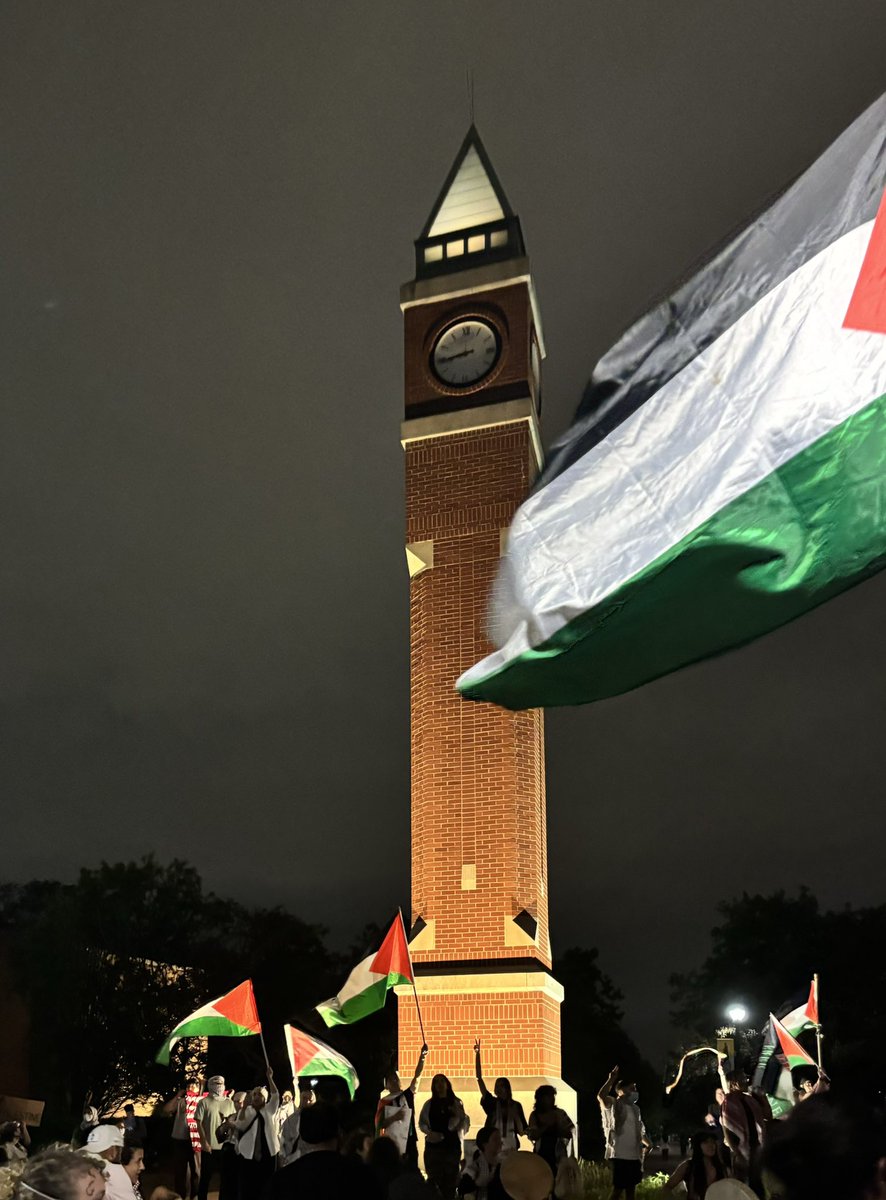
(808, 531)
(323, 1064)
(361, 1004)
(202, 1026)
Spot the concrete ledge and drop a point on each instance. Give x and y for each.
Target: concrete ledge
(467, 420)
(505, 981)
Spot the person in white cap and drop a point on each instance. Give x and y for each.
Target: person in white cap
(105, 1141)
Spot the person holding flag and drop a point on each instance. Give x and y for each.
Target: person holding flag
(257, 1141)
(395, 1115)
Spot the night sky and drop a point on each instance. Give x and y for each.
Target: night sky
(207, 211)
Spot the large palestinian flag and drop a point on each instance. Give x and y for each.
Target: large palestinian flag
(309, 1056)
(231, 1015)
(366, 988)
(725, 471)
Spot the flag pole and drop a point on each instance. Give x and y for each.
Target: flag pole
(421, 1027)
(261, 1032)
(818, 1034)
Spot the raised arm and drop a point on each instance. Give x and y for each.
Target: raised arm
(484, 1090)
(721, 1058)
(604, 1095)
(419, 1067)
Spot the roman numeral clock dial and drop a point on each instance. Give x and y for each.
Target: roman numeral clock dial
(465, 353)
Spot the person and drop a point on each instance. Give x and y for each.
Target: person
(163, 1193)
(550, 1129)
(226, 1135)
(705, 1166)
(625, 1134)
(744, 1122)
(60, 1173)
(443, 1122)
(14, 1142)
(481, 1175)
(503, 1112)
(812, 1087)
(290, 1129)
(186, 1152)
(132, 1163)
(210, 1112)
(395, 1115)
(105, 1141)
(286, 1109)
(826, 1148)
(320, 1172)
(134, 1128)
(257, 1142)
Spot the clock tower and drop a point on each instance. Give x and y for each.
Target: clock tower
(479, 938)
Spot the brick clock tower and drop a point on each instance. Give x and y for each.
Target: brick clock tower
(479, 938)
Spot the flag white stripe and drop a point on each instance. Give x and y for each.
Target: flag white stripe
(781, 377)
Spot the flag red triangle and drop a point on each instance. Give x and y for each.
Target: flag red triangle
(393, 955)
(239, 1006)
(303, 1049)
(790, 1047)
(812, 1004)
(867, 308)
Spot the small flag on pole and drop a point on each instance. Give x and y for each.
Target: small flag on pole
(367, 986)
(803, 1017)
(790, 1048)
(231, 1015)
(309, 1056)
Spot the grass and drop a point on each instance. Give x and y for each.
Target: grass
(597, 1180)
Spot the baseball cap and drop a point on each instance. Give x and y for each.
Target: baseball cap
(103, 1137)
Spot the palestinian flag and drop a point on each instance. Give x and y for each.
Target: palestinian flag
(724, 473)
(805, 1016)
(789, 1047)
(310, 1056)
(232, 1015)
(366, 988)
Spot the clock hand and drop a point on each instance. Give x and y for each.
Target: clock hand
(452, 357)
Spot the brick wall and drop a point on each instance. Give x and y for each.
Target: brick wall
(520, 1032)
(477, 771)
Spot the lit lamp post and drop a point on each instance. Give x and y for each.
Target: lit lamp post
(736, 1015)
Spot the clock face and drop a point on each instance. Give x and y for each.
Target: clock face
(465, 353)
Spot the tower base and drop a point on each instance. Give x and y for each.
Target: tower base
(516, 1016)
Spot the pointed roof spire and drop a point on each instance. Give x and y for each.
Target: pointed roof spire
(471, 195)
(471, 202)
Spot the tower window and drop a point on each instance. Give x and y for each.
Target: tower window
(433, 253)
(477, 242)
(498, 237)
(455, 248)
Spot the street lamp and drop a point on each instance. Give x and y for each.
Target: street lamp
(737, 1014)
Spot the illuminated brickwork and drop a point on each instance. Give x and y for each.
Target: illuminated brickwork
(478, 804)
(480, 941)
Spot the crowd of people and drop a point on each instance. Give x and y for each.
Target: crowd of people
(741, 1141)
(261, 1145)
